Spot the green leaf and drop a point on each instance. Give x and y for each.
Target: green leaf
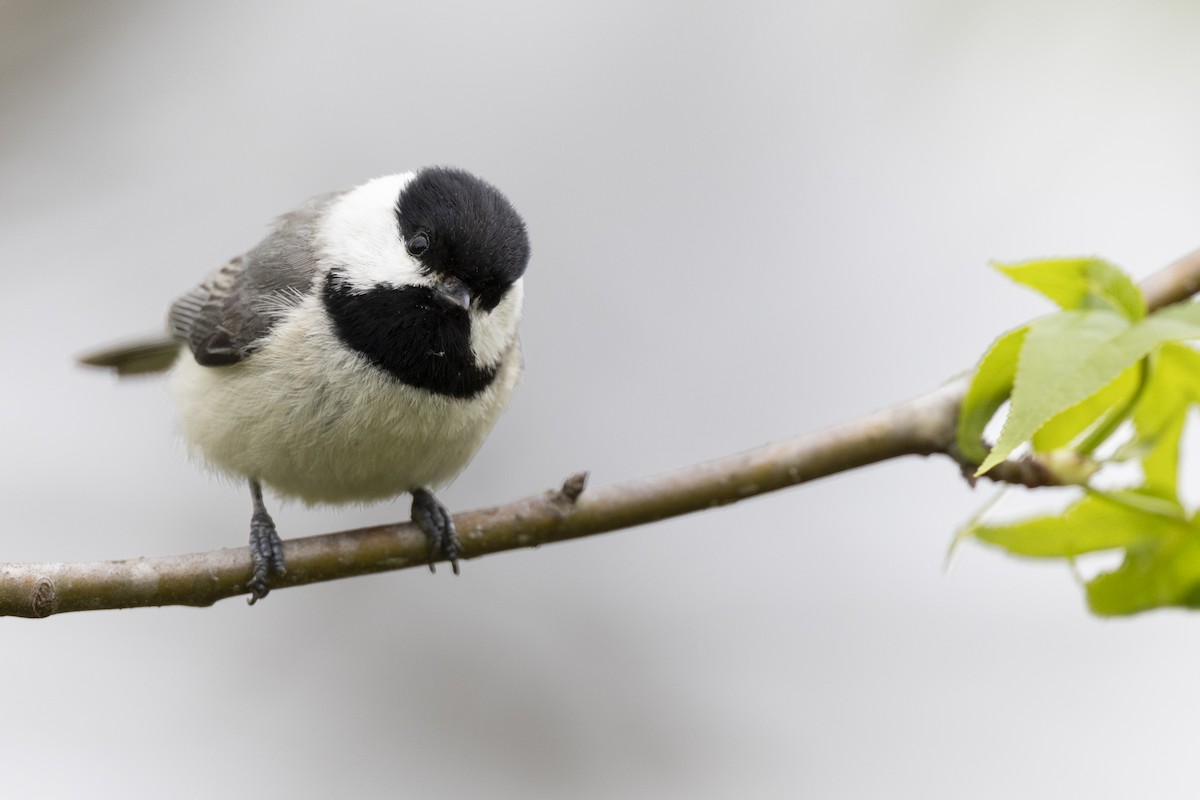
(1080, 284)
(1070, 356)
(1173, 323)
(1054, 373)
(1160, 415)
(1093, 524)
(1162, 548)
(1160, 464)
(1071, 379)
(1066, 426)
(1139, 500)
(990, 386)
(1160, 573)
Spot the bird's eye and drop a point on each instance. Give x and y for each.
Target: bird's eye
(418, 243)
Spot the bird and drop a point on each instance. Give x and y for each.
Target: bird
(362, 350)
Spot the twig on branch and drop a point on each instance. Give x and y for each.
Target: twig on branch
(1173, 283)
(922, 426)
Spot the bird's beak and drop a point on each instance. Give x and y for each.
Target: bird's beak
(454, 292)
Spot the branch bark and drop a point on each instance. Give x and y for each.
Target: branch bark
(922, 426)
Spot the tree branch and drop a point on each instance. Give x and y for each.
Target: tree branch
(922, 426)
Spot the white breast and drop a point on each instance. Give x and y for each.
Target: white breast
(316, 421)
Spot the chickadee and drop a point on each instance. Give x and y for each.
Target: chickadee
(362, 350)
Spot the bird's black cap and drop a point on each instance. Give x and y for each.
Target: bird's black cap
(455, 224)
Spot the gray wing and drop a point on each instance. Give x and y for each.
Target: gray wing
(225, 318)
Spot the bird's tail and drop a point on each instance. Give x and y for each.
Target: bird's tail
(136, 358)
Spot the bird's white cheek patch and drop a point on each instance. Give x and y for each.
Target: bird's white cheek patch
(361, 236)
(492, 333)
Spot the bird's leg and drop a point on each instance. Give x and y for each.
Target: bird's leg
(266, 549)
(432, 517)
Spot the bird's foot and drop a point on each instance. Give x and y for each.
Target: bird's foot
(435, 521)
(266, 555)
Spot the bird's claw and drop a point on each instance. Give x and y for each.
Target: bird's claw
(438, 526)
(266, 556)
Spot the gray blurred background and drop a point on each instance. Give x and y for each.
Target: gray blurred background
(750, 220)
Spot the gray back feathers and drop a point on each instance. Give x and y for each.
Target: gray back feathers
(224, 318)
